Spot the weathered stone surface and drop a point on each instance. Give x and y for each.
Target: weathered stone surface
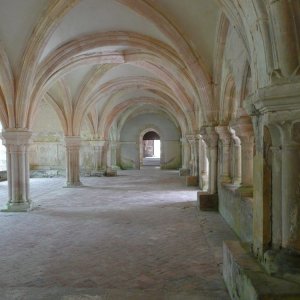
(192, 180)
(246, 279)
(207, 202)
(237, 210)
(184, 172)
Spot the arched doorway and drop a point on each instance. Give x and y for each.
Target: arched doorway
(150, 148)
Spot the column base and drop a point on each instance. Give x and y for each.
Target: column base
(192, 181)
(17, 207)
(184, 172)
(246, 279)
(283, 263)
(111, 172)
(245, 191)
(207, 202)
(73, 184)
(226, 179)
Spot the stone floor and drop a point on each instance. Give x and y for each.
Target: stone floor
(135, 236)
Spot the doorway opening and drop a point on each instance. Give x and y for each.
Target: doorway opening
(151, 149)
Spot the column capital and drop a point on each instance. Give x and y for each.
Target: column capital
(183, 140)
(16, 136)
(191, 138)
(224, 134)
(97, 143)
(72, 141)
(209, 136)
(113, 143)
(243, 127)
(235, 138)
(289, 132)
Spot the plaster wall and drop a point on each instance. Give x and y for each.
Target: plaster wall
(130, 139)
(47, 150)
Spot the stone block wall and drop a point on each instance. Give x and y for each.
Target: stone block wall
(237, 211)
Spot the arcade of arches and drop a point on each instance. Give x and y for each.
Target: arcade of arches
(82, 81)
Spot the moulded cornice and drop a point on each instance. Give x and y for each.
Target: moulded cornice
(283, 97)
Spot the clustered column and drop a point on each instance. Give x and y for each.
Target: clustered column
(17, 142)
(72, 144)
(194, 155)
(225, 137)
(98, 149)
(210, 137)
(186, 156)
(237, 159)
(202, 165)
(291, 186)
(244, 130)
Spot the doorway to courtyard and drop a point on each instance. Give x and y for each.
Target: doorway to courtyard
(150, 149)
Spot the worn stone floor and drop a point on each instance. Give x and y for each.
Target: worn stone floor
(135, 236)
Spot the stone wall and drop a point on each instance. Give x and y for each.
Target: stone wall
(237, 211)
(130, 141)
(236, 83)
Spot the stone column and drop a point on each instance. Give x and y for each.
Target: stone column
(17, 142)
(210, 137)
(236, 159)
(285, 38)
(193, 145)
(225, 137)
(291, 186)
(276, 197)
(186, 156)
(202, 165)
(193, 178)
(111, 158)
(244, 130)
(72, 144)
(98, 149)
(97, 157)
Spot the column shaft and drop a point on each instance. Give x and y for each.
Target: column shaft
(225, 137)
(244, 131)
(73, 158)
(203, 165)
(17, 142)
(291, 197)
(210, 137)
(247, 160)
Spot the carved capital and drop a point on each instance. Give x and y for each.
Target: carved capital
(16, 137)
(224, 134)
(209, 136)
(72, 142)
(237, 141)
(191, 138)
(243, 127)
(97, 143)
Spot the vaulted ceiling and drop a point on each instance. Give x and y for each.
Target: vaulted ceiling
(94, 59)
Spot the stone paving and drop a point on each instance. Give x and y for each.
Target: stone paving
(135, 236)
